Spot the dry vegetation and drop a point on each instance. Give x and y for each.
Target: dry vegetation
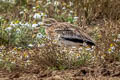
(26, 53)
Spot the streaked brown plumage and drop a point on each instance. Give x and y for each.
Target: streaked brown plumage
(66, 33)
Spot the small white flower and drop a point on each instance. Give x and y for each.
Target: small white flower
(40, 23)
(13, 52)
(37, 16)
(119, 36)
(39, 35)
(30, 45)
(0, 17)
(20, 23)
(71, 11)
(69, 14)
(34, 25)
(75, 18)
(28, 61)
(8, 29)
(71, 52)
(21, 12)
(56, 3)
(63, 8)
(25, 10)
(113, 48)
(13, 62)
(27, 24)
(1, 59)
(21, 57)
(12, 24)
(42, 14)
(73, 47)
(16, 25)
(71, 3)
(34, 7)
(18, 30)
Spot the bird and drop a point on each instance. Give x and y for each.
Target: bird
(66, 34)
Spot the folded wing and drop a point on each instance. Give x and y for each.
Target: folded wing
(74, 35)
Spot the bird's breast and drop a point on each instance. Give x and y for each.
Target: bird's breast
(50, 32)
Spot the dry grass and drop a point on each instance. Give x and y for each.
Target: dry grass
(103, 17)
(56, 57)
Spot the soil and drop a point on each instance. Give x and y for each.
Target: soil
(106, 71)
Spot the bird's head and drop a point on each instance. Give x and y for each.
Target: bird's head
(48, 22)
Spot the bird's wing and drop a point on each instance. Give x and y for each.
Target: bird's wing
(69, 32)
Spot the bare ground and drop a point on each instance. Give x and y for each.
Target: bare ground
(106, 71)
